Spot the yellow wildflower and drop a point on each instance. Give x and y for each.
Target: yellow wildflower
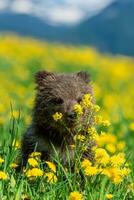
(51, 177)
(111, 148)
(115, 175)
(106, 123)
(109, 196)
(34, 172)
(101, 156)
(118, 160)
(72, 146)
(86, 163)
(121, 145)
(51, 165)
(3, 175)
(75, 196)
(1, 160)
(96, 108)
(86, 101)
(16, 144)
(79, 137)
(131, 126)
(32, 162)
(90, 171)
(13, 165)
(35, 154)
(57, 116)
(78, 109)
(125, 172)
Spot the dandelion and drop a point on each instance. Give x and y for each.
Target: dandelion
(86, 163)
(51, 165)
(109, 196)
(32, 162)
(101, 156)
(34, 172)
(57, 116)
(3, 175)
(76, 196)
(78, 109)
(51, 177)
(117, 160)
(111, 148)
(90, 171)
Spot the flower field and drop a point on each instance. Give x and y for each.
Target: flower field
(111, 176)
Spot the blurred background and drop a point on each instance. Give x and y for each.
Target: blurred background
(69, 36)
(104, 24)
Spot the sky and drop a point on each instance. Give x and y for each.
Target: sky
(56, 11)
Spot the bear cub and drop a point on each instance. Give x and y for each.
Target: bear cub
(54, 93)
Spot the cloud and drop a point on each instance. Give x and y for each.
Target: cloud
(22, 6)
(57, 11)
(3, 4)
(64, 14)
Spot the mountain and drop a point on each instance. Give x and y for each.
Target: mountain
(111, 30)
(28, 25)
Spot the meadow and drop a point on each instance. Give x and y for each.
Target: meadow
(111, 177)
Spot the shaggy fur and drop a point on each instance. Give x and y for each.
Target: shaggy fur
(55, 93)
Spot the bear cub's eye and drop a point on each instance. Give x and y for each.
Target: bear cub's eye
(57, 101)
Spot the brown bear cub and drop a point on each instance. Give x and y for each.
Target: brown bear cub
(55, 93)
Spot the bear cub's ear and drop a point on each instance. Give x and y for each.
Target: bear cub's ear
(85, 76)
(40, 76)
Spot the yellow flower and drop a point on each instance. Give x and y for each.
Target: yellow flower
(32, 162)
(57, 116)
(106, 123)
(96, 108)
(86, 101)
(117, 160)
(109, 196)
(13, 165)
(114, 174)
(51, 177)
(125, 172)
(121, 145)
(98, 119)
(51, 165)
(79, 137)
(3, 175)
(76, 196)
(131, 126)
(111, 148)
(101, 156)
(34, 172)
(16, 144)
(90, 171)
(78, 109)
(35, 154)
(1, 160)
(86, 163)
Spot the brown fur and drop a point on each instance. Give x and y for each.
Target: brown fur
(55, 93)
